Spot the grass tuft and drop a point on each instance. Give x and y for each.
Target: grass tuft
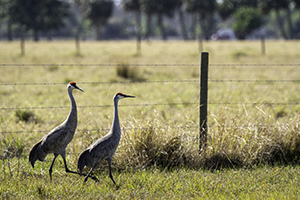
(11, 147)
(26, 116)
(129, 72)
(53, 68)
(239, 54)
(150, 146)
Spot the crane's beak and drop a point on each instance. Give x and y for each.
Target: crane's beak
(128, 96)
(79, 88)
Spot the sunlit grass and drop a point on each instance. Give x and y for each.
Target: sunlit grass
(259, 183)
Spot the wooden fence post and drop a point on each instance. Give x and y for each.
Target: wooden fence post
(203, 102)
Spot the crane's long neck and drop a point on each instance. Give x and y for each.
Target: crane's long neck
(72, 117)
(116, 129)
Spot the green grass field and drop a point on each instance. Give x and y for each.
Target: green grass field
(253, 137)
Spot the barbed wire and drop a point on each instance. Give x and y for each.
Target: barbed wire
(254, 103)
(98, 65)
(143, 65)
(255, 65)
(167, 81)
(257, 81)
(158, 81)
(147, 104)
(103, 82)
(105, 129)
(165, 127)
(97, 106)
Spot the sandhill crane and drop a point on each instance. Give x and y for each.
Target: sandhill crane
(105, 147)
(58, 138)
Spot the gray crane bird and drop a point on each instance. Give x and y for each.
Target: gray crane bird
(105, 147)
(58, 138)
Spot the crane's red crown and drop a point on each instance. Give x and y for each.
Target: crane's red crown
(73, 83)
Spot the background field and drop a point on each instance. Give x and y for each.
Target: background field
(253, 140)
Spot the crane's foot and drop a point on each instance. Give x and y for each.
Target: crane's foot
(111, 177)
(91, 176)
(94, 178)
(113, 180)
(50, 174)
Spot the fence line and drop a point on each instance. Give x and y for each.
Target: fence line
(297, 103)
(98, 65)
(168, 81)
(106, 129)
(98, 106)
(257, 81)
(145, 105)
(255, 65)
(141, 128)
(118, 82)
(147, 65)
(203, 90)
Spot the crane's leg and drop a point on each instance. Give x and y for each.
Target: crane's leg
(69, 171)
(109, 166)
(63, 155)
(50, 169)
(92, 168)
(87, 176)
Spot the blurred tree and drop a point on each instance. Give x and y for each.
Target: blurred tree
(205, 10)
(159, 8)
(297, 3)
(179, 8)
(4, 16)
(37, 15)
(135, 6)
(247, 19)
(100, 12)
(277, 5)
(81, 9)
(228, 7)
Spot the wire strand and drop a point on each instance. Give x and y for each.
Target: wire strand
(297, 103)
(146, 104)
(255, 65)
(143, 65)
(97, 106)
(119, 82)
(96, 65)
(167, 81)
(105, 129)
(257, 81)
(145, 128)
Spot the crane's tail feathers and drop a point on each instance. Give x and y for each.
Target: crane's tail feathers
(82, 161)
(33, 155)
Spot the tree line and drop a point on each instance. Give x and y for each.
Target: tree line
(37, 17)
